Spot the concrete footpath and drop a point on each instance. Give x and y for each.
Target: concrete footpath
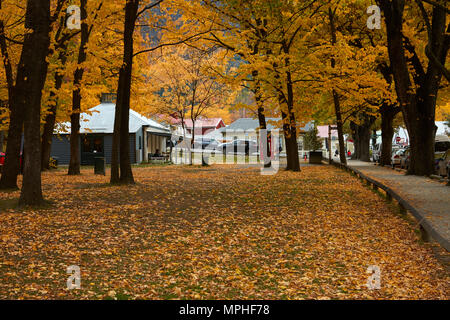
(430, 198)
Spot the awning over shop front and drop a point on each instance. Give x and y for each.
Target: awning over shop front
(158, 132)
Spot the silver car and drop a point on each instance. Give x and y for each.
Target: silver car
(397, 156)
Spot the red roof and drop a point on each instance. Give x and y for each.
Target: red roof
(204, 123)
(323, 132)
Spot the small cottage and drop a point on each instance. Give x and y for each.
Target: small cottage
(147, 137)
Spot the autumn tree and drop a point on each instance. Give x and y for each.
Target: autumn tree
(58, 57)
(86, 31)
(27, 94)
(244, 34)
(341, 66)
(312, 140)
(417, 79)
(170, 91)
(265, 36)
(388, 109)
(120, 149)
(189, 84)
(14, 34)
(10, 170)
(138, 15)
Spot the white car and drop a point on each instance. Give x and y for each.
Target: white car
(397, 157)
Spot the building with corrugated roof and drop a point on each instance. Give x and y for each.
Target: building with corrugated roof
(147, 137)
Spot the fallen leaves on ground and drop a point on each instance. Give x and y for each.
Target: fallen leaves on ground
(213, 233)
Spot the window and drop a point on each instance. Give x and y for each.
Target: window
(86, 145)
(92, 144)
(98, 145)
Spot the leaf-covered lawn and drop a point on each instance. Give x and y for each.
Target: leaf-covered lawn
(216, 232)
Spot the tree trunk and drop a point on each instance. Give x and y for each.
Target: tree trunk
(191, 153)
(123, 97)
(6, 63)
(74, 165)
(2, 139)
(292, 155)
(263, 126)
(364, 142)
(422, 131)
(31, 75)
(49, 125)
(288, 116)
(3, 104)
(388, 113)
(290, 139)
(11, 167)
(292, 146)
(340, 128)
(286, 134)
(355, 134)
(266, 156)
(337, 106)
(115, 170)
(47, 135)
(362, 137)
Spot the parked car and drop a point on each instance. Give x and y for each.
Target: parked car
(204, 143)
(444, 164)
(441, 145)
(405, 159)
(2, 160)
(396, 156)
(247, 146)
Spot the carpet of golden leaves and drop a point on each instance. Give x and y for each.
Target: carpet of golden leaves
(215, 232)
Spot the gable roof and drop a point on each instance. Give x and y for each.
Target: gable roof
(101, 120)
(202, 123)
(323, 132)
